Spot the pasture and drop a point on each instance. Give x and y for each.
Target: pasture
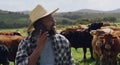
(77, 55)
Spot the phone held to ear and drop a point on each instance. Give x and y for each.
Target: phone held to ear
(38, 27)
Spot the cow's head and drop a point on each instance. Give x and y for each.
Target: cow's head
(95, 26)
(108, 41)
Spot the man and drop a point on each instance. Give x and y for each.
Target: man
(43, 46)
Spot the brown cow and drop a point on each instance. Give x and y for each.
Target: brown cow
(12, 42)
(109, 48)
(10, 33)
(97, 44)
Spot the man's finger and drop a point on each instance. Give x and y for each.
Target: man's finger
(39, 34)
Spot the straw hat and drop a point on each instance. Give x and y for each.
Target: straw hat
(37, 13)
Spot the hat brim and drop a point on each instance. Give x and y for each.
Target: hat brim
(30, 28)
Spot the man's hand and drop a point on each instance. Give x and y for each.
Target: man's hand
(41, 40)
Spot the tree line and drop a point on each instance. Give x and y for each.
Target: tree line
(18, 19)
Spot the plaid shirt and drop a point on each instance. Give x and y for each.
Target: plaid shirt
(61, 47)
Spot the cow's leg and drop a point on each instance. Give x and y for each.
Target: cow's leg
(91, 52)
(97, 58)
(84, 50)
(118, 62)
(114, 62)
(76, 49)
(103, 61)
(6, 63)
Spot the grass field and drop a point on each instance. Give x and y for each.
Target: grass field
(78, 57)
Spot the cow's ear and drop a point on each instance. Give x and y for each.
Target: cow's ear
(101, 37)
(114, 37)
(93, 32)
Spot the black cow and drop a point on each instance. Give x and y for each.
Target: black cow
(4, 55)
(82, 38)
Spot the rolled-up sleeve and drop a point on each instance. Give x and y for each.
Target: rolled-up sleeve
(22, 55)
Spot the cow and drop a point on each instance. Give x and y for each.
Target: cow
(4, 55)
(11, 42)
(82, 38)
(108, 47)
(10, 33)
(97, 44)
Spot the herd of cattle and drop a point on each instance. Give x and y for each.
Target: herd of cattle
(102, 39)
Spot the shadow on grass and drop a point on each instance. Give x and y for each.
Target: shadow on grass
(88, 61)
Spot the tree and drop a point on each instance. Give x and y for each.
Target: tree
(111, 19)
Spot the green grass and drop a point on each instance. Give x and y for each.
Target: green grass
(11, 63)
(78, 57)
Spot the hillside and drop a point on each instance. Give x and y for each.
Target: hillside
(88, 13)
(13, 19)
(10, 19)
(74, 16)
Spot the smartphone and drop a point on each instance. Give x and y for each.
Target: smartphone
(39, 27)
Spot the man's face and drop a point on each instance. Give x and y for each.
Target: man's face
(49, 22)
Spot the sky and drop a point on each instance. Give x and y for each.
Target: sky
(63, 5)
